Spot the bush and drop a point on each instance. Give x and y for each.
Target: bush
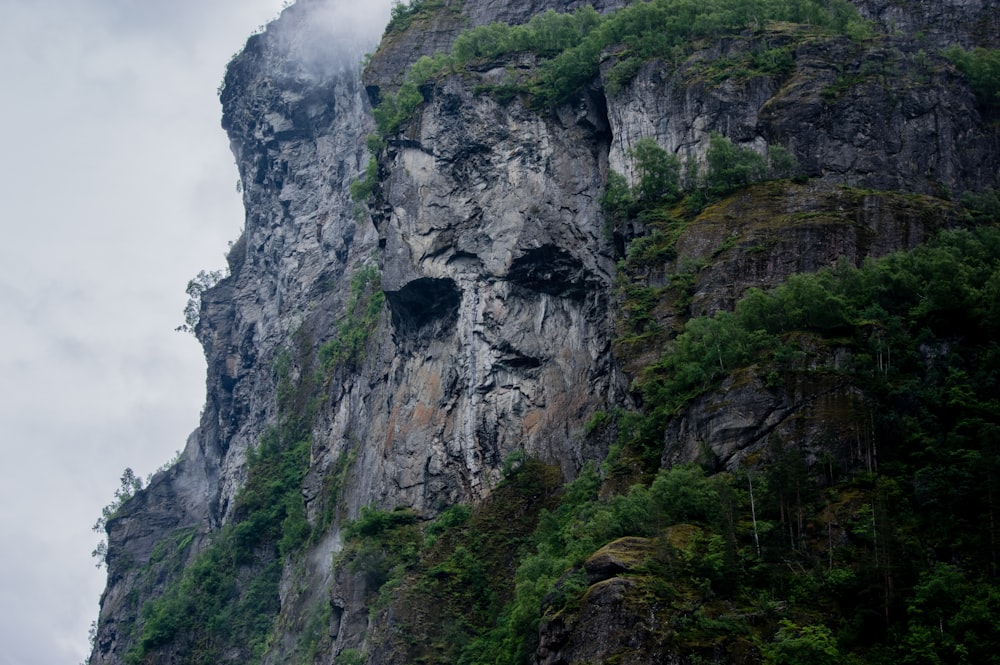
(402, 14)
(982, 67)
(570, 45)
(363, 188)
(372, 522)
(731, 167)
(201, 282)
(659, 172)
(803, 645)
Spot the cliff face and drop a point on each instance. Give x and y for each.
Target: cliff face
(497, 338)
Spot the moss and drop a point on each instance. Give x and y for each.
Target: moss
(628, 552)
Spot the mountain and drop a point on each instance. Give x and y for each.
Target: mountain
(633, 332)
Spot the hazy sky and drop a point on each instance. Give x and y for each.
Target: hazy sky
(116, 186)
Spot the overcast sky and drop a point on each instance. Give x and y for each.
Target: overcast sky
(116, 186)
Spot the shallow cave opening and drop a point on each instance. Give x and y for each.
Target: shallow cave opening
(424, 304)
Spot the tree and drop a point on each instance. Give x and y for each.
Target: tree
(730, 166)
(659, 172)
(195, 288)
(802, 645)
(130, 484)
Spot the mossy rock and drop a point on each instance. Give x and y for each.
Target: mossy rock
(619, 557)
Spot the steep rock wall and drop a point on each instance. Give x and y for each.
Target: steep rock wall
(884, 114)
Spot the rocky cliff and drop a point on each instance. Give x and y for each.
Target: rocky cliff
(374, 363)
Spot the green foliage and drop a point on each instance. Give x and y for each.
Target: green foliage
(666, 29)
(660, 185)
(228, 596)
(452, 517)
(803, 645)
(569, 45)
(938, 411)
(618, 200)
(203, 281)
(382, 546)
(403, 14)
(761, 560)
(448, 587)
(546, 34)
(752, 540)
(940, 285)
(659, 172)
(364, 306)
(223, 604)
(731, 167)
(363, 188)
(982, 206)
(130, 484)
(549, 579)
(394, 110)
(349, 657)
(741, 65)
(372, 523)
(982, 67)
(777, 62)
(781, 162)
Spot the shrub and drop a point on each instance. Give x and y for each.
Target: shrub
(982, 67)
(730, 166)
(659, 172)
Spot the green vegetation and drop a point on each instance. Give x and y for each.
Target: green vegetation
(982, 206)
(731, 167)
(881, 553)
(393, 111)
(203, 281)
(363, 188)
(346, 350)
(130, 484)
(403, 14)
(982, 67)
(449, 578)
(226, 599)
(222, 606)
(659, 204)
(947, 285)
(661, 184)
(349, 657)
(569, 46)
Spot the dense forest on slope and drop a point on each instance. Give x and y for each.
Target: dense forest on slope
(800, 471)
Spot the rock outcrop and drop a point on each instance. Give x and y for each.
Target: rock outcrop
(487, 238)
